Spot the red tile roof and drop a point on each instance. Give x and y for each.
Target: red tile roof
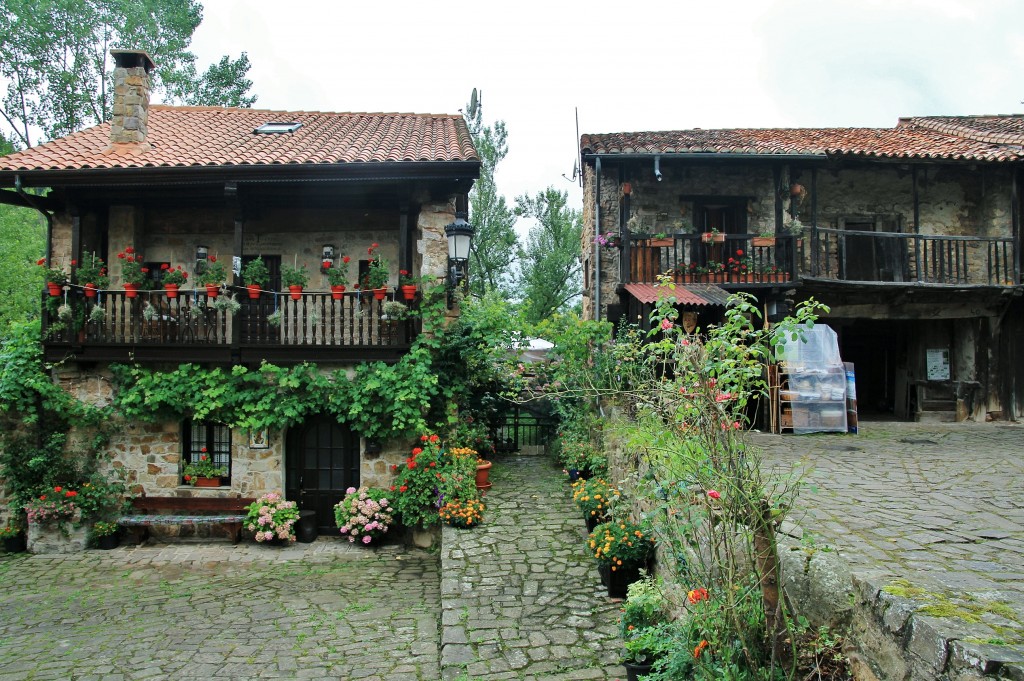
(685, 294)
(213, 136)
(971, 138)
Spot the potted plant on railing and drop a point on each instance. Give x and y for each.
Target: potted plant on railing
(133, 274)
(256, 276)
(608, 240)
(55, 278)
(173, 278)
(203, 472)
(714, 236)
(337, 276)
(714, 272)
(407, 284)
(213, 276)
(765, 238)
(92, 274)
(770, 273)
(622, 549)
(295, 277)
(740, 266)
(376, 278)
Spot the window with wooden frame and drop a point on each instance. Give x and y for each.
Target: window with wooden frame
(214, 437)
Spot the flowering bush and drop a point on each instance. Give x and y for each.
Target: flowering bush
(364, 514)
(619, 543)
(582, 455)
(55, 506)
(593, 497)
(132, 271)
(430, 478)
(271, 517)
(462, 513)
(203, 467)
(174, 275)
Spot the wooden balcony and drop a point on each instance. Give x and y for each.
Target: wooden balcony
(155, 328)
(891, 257)
(728, 260)
(842, 256)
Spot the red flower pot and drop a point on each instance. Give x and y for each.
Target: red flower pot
(207, 482)
(131, 290)
(212, 290)
(337, 290)
(380, 293)
(55, 289)
(90, 290)
(296, 292)
(408, 292)
(254, 291)
(171, 290)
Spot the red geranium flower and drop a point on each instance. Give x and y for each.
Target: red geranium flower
(423, 438)
(213, 258)
(74, 263)
(164, 266)
(120, 256)
(416, 451)
(129, 250)
(402, 488)
(41, 261)
(345, 259)
(434, 438)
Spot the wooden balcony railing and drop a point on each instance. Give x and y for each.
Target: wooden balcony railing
(191, 326)
(848, 255)
(730, 259)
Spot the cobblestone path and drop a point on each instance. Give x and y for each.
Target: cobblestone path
(326, 610)
(937, 505)
(521, 598)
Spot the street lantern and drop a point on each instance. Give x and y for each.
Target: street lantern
(460, 238)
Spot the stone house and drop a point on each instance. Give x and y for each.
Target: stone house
(911, 235)
(186, 185)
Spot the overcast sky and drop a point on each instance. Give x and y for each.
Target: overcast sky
(627, 66)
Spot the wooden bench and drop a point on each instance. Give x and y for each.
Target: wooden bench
(229, 513)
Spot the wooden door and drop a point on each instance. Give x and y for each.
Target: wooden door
(322, 461)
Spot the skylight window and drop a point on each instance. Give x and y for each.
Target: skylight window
(277, 127)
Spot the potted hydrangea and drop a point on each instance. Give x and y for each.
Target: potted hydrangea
(272, 518)
(364, 515)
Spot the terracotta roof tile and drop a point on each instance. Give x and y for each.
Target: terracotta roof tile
(685, 294)
(971, 138)
(213, 136)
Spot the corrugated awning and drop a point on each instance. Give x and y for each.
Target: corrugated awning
(685, 294)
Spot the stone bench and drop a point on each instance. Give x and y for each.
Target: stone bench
(229, 513)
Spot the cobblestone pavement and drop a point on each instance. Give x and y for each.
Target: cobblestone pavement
(940, 506)
(326, 610)
(521, 597)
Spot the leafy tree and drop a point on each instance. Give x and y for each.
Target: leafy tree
(54, 58)
(495, 241)
(23, 233)
(550, 262)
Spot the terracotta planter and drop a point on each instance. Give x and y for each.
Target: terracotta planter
(207, 482)
(131, 290)
(254, 291)
(212, 290)
(408, 292)
(296, 292)
(54, 289)
(712, 238)
(337, 291)
(90, 290)
(660, 243)
(483, 472)
(171, 290)
(763, 241)
(380, 293)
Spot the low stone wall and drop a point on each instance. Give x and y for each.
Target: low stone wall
(54, 538)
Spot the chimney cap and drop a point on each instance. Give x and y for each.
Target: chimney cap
(132, 58)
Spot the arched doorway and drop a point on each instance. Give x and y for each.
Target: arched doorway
(321, 462)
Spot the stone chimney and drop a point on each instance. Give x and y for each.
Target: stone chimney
(131, 100)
